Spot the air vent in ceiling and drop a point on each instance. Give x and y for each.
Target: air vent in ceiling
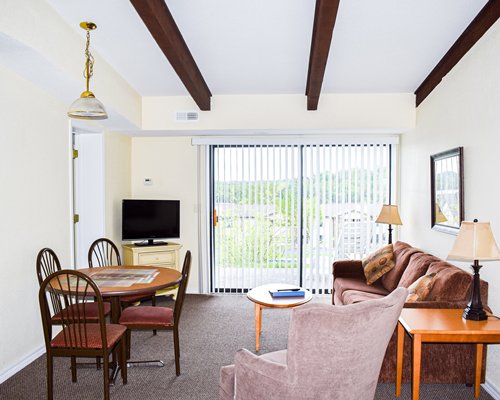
(187, 116)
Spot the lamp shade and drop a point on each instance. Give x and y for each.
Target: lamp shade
(389, 215)
(87, 107)
(475, 241)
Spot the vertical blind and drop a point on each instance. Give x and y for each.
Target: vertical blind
(285, 212)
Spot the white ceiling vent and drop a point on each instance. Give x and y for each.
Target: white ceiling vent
(187, 116)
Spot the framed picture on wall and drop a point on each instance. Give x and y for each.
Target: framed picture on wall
(447, 190)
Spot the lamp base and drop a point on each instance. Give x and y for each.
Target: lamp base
(474, 309)
(475, 314)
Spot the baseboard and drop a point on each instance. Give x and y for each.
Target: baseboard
(6, 374)
(491, 389)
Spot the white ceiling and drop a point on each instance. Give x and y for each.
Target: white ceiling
(262, 46)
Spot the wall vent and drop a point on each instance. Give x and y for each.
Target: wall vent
(187, 116)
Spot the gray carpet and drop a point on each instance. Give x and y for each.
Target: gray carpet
(212, 329)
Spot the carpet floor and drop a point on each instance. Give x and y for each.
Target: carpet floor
(212, 329)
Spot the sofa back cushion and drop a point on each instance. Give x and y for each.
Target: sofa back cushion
(418, 265)
(451, 283)
(402, 253)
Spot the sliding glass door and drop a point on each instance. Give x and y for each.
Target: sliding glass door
(283, 213)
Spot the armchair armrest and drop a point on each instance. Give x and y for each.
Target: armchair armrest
(256, 377)
(348, 268)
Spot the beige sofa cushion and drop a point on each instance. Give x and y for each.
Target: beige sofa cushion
(420, 289)
(378, 263)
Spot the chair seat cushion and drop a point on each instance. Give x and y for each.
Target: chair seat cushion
(87, 336)
(147, 315)
(137, 297)
(88, 311)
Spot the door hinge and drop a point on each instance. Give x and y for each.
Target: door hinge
(75, 153)
(76, 218)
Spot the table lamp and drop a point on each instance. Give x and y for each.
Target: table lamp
(475, 242)
(389, 215)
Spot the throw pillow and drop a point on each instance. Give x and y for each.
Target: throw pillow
(378, 263)
(420, 289)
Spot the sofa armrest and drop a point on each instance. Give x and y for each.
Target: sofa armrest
(348, 268)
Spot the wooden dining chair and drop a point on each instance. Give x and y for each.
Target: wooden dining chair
(47, 263)
(104, 253)
(63, 293)
(160, 318)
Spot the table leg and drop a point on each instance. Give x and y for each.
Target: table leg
(417, 359)
(479, 364)
(116, 311)
(258, 325)
(399, 358)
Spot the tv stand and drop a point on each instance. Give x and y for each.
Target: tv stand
(158, 255)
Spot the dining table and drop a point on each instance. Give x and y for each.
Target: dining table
(117, 281)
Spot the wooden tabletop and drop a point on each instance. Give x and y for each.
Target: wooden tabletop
(446, 321)
(167, 277)
(261, 295)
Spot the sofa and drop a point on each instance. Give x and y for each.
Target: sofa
(441, 363)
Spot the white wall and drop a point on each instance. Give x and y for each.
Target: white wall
(338, 113)
(117, 169)
(171, 163)
(34, 207)
(464, 110)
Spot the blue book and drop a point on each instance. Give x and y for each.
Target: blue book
(287, 293)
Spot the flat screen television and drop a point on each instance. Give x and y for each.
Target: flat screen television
(149, 220)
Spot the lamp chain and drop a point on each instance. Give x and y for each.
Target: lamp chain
(89, 63)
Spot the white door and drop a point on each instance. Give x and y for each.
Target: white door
(88, 186)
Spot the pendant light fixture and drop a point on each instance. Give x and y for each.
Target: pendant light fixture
(87, 106)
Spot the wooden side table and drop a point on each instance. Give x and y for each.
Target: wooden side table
(263, 299)
(444, 326)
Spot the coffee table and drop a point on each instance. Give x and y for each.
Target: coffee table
(263, 299)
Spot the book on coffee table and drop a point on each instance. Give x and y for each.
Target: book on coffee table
(293, 292)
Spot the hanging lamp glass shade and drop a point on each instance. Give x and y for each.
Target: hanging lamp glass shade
(87, 107)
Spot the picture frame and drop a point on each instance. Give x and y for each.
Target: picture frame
(447, 190)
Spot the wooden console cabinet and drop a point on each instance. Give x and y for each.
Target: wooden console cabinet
(159, 256)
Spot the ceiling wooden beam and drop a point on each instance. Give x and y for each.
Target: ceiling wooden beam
(476, 29)
(158, 19)
(324, 21)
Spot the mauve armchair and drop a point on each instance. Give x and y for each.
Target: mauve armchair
(334, 352)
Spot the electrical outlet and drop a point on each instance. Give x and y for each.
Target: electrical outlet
(148, 182)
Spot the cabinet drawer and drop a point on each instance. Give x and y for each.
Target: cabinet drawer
(157, 258)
